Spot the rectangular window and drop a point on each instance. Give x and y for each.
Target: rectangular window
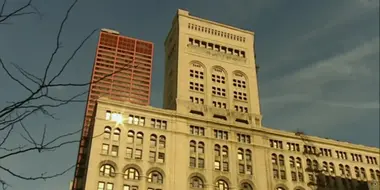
(225, 166)
(300, 176)
(202, 131)
(152, 156)
(114, 150)
(294, 176)
(164, 124)
(161, 157)
(217, 165)
(275, 174)
(116, 117)
(142, 121)
(105, 148)
(101, 185)
(283, 174)
(138, 154)
(108, 115)
(249, 169)
(219, 134)
(109, 186)
(192, 162)
(201, 163)
(129, 152)
(129, 187)
(241, 168)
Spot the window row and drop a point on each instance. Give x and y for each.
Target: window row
(135, 120)
(220, 134)
(196, 86)
(218, 104)
(216, 32)
(197, 100)
(216, 47)
(219, 91)
(218, 78)
(131, 173)
(243, 109)
(240, 96)
(196, 74)
(239, 83)
(308, 149)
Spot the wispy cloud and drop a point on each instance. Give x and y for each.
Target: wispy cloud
(354, 105)
(347, 12)
(327, 94)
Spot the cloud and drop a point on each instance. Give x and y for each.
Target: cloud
(346, 64)
(354, 105)
(348, 12)
(350, 64)
(326, 95)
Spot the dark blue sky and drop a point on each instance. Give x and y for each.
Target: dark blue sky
(319, 64)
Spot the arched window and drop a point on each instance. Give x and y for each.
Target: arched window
(248, 155)
(153, 140)
(332, 168)
(139, 138)
(131, 173)
(221, 185)
(155, 177)
(246, 186)
(193, 147)
(348, 171)
(162, 142)
(240, 154)
(362, 171)
(315, 165)
(116, 134)
(299, 162)
(225, 151)
(107, 170)
(201, 147)
(196, 183)
(378, 174)
(357, 172)
(280, 188)
(308, 163)
(281, 160)
(107, 132)
(325, 167)
(274, 159)
(292, 162)
(341, 169)
(131, 136)
(372, 173)
(217, 150)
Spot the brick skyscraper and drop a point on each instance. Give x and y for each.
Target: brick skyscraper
(122, 71)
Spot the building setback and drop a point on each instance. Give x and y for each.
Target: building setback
(122, 71)
(209, 135)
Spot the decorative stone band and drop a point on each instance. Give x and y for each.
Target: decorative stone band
(215, 54)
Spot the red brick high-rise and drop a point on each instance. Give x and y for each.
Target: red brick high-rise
(122, 71)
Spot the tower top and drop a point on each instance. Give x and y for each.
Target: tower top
(110, 31)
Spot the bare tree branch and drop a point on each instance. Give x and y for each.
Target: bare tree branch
(17, 12)
(58, 39)
(14, 78)
(38, 99)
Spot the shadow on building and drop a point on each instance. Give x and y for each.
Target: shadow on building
(327, 182)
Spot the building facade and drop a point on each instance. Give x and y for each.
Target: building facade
(122, 71)
(209, 135)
